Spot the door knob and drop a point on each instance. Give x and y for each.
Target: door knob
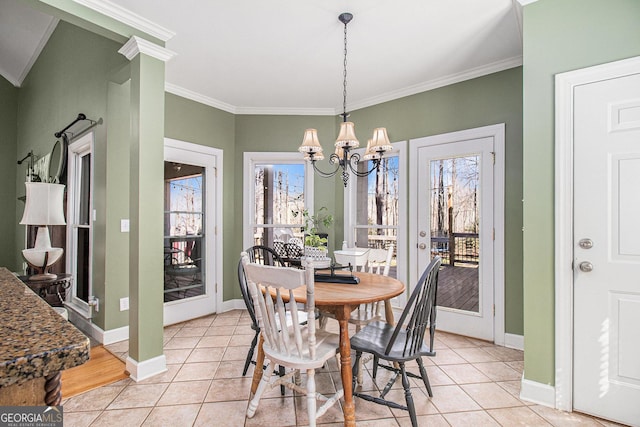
(423, 234)
(585, 243)
(586, 266)
(422, 246)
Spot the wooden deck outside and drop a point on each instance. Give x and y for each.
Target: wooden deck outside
(458, 287)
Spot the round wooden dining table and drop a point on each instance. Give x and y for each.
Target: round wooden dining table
(340, 300)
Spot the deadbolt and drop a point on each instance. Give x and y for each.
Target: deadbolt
(423, 234)
(586, 266)
(585, 243)
(422, 246)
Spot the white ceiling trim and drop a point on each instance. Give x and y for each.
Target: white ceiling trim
(136, 45)
(285, 111)
(202, 99)
(389, 96)
(526, 2)
(437, 83)
(125, 16)
(17, 82)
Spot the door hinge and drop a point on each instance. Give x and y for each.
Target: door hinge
(215, 171)
(494, 310)
(216, 287)
(493, 156)
(494, 234)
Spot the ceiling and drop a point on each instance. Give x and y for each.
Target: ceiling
(286, 56)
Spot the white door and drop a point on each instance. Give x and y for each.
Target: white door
(455, 220)
(607, 249)
(192, 250)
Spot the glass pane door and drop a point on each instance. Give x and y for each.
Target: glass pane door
(184, 231)
(455, 228)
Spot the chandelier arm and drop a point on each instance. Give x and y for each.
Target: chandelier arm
(322, 173)
(353, 165)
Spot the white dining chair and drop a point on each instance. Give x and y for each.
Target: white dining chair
(297, 347)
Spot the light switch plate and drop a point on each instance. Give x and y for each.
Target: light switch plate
(124, 225)
(124, 304)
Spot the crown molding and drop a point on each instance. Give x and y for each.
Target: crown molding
(197, 97)
(287, 111)
(136, 45)
(127, 17)
(472, 73)
(36, 53)
(389, 96)
(526, 2)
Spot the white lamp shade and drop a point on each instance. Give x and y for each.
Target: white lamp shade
(370, 154)
(340, 153)
(44, 204)
(380, 141)
(310, 143)
(347, 136)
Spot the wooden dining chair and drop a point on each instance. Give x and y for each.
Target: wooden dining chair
(298, 347)
(403, 342)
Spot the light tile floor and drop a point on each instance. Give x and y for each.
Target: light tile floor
(474, 383)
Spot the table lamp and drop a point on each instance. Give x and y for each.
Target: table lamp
(43, 207)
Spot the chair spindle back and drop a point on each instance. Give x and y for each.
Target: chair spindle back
(421, 312)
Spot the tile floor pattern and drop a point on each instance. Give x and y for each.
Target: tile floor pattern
(474, 384)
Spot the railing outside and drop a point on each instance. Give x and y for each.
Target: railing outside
(457, 248)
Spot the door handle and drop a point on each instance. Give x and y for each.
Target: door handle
(422, 246)
(586, 266)
(423, 234)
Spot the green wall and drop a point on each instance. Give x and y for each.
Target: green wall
(197, 123)
(559, 36)
(71, 76)
(487, 100)
(8, 158)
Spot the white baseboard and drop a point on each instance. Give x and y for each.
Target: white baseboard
(114, 335)
(542, 394)
(139, 371)
(514, 341)
(233, 304)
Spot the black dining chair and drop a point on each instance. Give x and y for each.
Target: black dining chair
(403, 342)
(267, 256)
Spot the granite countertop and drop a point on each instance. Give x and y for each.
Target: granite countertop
(35, 341)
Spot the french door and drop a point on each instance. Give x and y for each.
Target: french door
(192, 248)
(454, 196)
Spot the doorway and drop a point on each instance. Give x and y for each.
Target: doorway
(458, 192)
(192, 215)
(598, 255)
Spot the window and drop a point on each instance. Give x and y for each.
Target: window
(375, 206)
(278, 187)
(79, 221)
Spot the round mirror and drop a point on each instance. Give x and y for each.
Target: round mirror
(57, 162)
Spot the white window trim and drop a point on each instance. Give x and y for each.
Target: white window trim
(76, 150)
(251, 159)
(399, 149)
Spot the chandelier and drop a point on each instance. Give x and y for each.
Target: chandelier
(343, 158)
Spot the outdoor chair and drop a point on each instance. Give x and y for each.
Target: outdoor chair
(403, 342)
(296, 346)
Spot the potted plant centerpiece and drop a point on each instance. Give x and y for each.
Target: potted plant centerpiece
(315, 242)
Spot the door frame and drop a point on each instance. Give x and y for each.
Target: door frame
(565, 85)
(213, 239)
(497, 132)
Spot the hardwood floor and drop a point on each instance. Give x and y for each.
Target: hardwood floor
(102, 368)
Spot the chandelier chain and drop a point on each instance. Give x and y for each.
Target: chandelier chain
(344, 74)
